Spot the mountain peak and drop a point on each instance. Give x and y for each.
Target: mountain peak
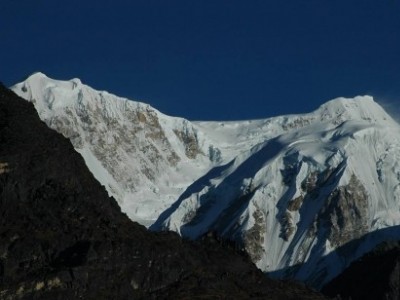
(41, 75)
(39, 81)
(36, 75)
(350, 103)
(357, 108)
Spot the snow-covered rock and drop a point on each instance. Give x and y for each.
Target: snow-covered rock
(294, 190)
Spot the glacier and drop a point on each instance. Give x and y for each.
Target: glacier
(294, 191)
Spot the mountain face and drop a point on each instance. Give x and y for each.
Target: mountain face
(143, 158)
(295, 191)
(62, 237)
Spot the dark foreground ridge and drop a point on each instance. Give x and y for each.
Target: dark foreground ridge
(376, 276)
(62, 237)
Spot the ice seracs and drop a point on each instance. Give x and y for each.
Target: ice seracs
(290, 189)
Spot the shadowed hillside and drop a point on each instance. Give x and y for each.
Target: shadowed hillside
(376, 275)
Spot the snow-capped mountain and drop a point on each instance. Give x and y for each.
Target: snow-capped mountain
(299, 192)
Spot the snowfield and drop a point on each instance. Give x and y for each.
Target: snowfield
(290, 189)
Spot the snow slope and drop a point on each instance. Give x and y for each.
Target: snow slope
(290, 189)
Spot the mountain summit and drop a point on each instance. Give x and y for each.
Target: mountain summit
(301, 193)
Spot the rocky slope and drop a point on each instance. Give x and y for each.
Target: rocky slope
(291, 190)
(62, 237)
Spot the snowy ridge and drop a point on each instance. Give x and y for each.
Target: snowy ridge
(143, 158)
(290, 189)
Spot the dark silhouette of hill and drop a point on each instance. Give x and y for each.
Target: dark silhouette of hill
(62, 237)
(376, 275)
(356, 247)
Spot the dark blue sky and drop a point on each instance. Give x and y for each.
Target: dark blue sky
(210, 59)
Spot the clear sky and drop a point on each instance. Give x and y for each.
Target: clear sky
(210, 59)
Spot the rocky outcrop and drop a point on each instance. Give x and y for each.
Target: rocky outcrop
(345, 213)
(254, 237)
(191, 143)
(62, 237)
